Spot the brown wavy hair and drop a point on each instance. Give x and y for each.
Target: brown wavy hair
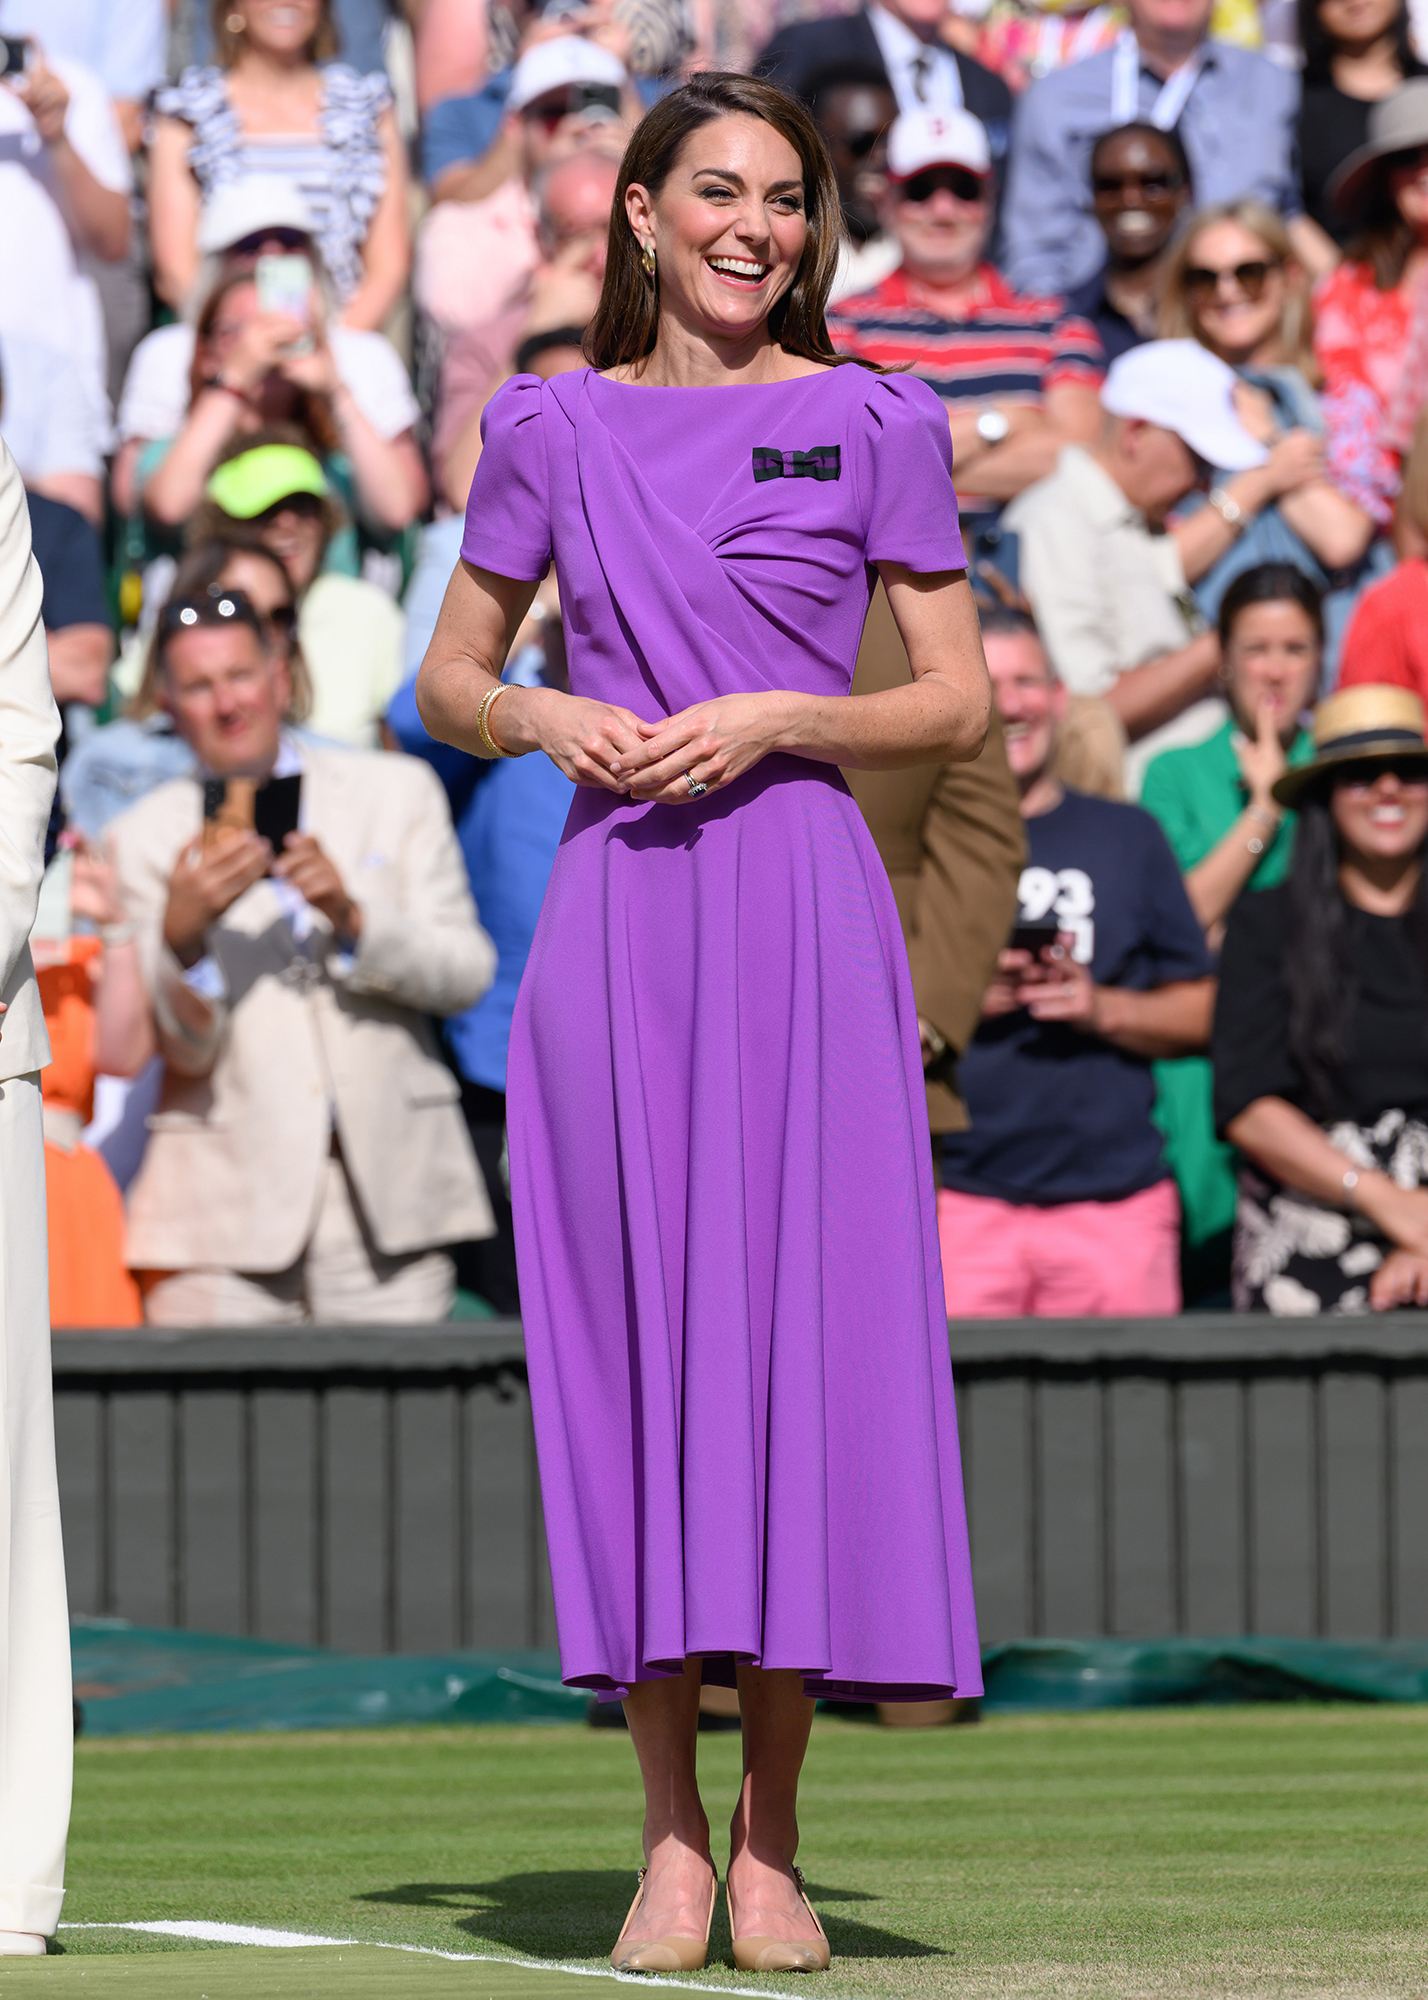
(324, 45)
(626, 322)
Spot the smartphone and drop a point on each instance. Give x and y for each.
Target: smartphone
(276, 808)
(240, 805)
(285, 286)
(16, 52)
(1034, 937)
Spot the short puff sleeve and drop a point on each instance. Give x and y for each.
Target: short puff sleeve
(508, 509)
(903, 465)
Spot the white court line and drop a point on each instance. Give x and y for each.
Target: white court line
(206, 1933)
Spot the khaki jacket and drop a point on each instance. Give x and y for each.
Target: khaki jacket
(951, 838)
(29, 730)
(305, 1038)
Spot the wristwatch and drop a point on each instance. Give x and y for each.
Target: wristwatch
(1227, 507)
(992, 426)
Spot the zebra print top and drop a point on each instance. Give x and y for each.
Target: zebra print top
(340, 169)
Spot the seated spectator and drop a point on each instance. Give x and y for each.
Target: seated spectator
(1321, 1064)
(250, 371)
(50, 426)
(307, 1160)
(258, 216)
(1387, 636)
(1058, 1201)
(573, 198)
(64, 196)
(1371, 314)
(1140, 187)
(1356, 53)
(1019, 377)
(853, 107)
(902, 41)
(466, 53)
(349, 629)
(116, 765)
(478, 250)
(97, 1016)
(268, 108)
(1105, 581)
(1233, 110)
(359, 31)
(1233, 284)
(1215, 804)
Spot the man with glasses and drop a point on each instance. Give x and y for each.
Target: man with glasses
(1102, 575)
(853, 107)
(308, 1160)
(1234, 110)
(1018, 376)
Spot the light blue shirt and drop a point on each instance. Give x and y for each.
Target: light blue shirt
(122, 41)
(1237, 127)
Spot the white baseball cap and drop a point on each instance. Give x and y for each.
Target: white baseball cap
(921, 139)
(556, 64)
(1181, 386)
(245, 207)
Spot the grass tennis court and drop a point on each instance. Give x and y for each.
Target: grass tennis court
(1271, 1850)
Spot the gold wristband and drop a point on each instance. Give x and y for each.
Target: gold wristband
(483, 713)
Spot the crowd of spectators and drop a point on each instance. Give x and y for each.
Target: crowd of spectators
(1165, 263)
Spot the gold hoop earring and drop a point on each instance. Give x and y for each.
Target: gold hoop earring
(234, 23)
(647, 257)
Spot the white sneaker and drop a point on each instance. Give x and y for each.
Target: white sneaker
(22, 1944)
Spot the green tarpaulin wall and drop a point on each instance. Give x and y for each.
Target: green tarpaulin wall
(133, 1681)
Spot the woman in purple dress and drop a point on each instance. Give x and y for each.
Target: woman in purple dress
(718, 1136)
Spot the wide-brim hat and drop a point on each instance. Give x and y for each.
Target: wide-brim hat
(1398, 124)
(1359, 725)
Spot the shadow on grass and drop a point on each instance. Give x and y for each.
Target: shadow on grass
(577, 1912)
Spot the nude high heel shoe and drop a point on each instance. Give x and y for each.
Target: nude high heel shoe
(766, 1954)
(665, 1954)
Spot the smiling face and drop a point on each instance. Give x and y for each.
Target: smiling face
(227, 694)
(296, 532)
(1139, 192)
(280, 27)
(728, 227)
(1381, 812)
(942, 218)
(1236, 289)
(1408, 184)
(1030, 701)
(1272, 661)
(1354, 23)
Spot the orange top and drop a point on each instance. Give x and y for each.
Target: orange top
(67, 996)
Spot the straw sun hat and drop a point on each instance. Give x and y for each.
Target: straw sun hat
(1359, 725)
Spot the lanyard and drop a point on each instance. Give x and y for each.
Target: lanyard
(1125, 86)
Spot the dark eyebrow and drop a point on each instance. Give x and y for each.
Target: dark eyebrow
(728, 174)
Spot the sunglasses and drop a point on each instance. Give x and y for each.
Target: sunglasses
(1203, 283)
(1411, 772)
(549, 111)
(218, 607)
(1157, 187)
(860, 144)
(960, 182)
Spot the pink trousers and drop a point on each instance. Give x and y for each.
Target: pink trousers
(1079, 1260)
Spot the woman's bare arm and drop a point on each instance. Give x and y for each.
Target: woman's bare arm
(387, 246)
(173, 211)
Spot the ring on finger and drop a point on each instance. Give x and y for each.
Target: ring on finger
(697, 786)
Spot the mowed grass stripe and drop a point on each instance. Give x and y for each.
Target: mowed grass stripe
(1161, 1853)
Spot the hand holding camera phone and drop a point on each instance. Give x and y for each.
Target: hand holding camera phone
(284, 286)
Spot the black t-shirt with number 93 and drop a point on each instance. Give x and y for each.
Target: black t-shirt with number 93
(1059, 1115)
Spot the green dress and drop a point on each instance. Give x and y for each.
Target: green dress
(1197, 794)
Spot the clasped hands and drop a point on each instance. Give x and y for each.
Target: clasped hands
(598, 744)
(1050, 985)
(206, 883)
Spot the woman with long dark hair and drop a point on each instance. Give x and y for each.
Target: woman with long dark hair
(724, 1210)
(1356, 53)
(1321, 1031)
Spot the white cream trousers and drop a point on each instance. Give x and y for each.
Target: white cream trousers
(36, 1707)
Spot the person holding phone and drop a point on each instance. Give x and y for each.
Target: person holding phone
(300, 912)
(1057, 1202)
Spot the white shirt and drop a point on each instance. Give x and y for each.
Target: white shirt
(45, 296)
(45, 417)
(921, 73)
(122, 41)
(155, 397)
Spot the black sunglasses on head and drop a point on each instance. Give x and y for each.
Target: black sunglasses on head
(286, 239)
(217, 607)
(1203, 283)
(960, 182)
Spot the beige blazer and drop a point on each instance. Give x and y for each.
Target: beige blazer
(304, 1038)
(29, 730)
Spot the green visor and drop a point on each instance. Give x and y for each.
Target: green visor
(256, 480)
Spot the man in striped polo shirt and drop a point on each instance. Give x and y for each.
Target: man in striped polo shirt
(1019, 376)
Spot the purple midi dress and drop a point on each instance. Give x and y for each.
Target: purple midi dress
(720, 1170)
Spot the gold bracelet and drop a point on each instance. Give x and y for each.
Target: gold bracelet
(483, 726)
